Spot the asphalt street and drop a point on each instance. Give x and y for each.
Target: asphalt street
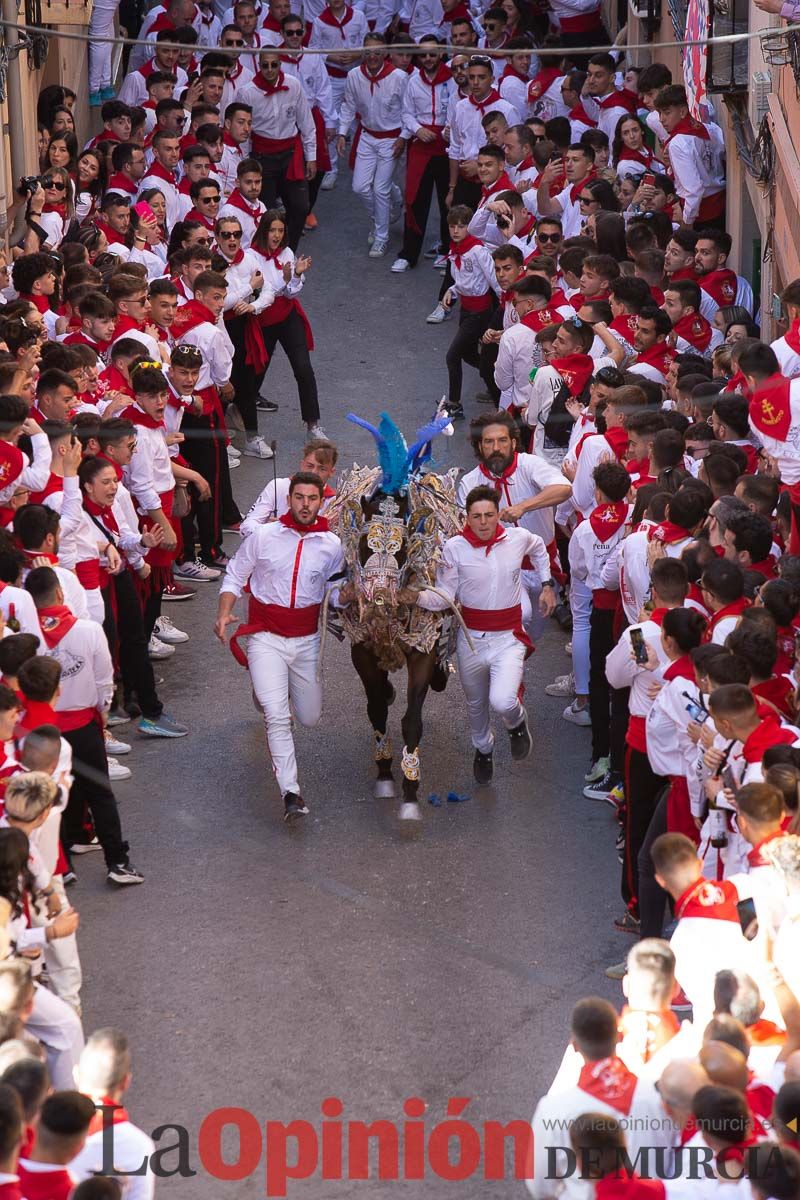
(268, 970)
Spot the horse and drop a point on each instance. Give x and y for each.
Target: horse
(393, 521)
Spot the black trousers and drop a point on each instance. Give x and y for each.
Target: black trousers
(293, 192)
(488, 357)
(91, 788)
(152, 611)
(204, 450)
(642, 790)
(464, 349)
(435, 175)
(291, 334)
(125, 628)
(601, 643)
(244, 380)
(652, 898)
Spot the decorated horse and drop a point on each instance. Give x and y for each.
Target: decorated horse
(393, 521)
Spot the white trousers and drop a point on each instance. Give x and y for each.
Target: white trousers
(372, 180)
(59, 1030)
(101, 24)
(337, 90)
(94, 602)
(284, 671)
(61, 956)
(491, 675)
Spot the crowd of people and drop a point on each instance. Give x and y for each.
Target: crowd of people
(637, 480)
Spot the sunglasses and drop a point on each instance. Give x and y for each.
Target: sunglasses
(293, 32)
(548, 237)
(56, 185)
(232, 233)
(480, 60)
(270, 66)
(586, 199)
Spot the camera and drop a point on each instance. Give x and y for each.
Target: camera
(29, 184)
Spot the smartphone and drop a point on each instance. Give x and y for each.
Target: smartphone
(747, 917)
(649, 179)
(728, 783)
(697, 712)
(639, 646)
(143, 209)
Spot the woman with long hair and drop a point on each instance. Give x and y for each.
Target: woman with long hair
(630, 154)
(157, 238)
(284, 321)
(609, 234)
(63, 151)
(17, 887)
(185, 234)
(50, 211)
(90, 184)
(43, 142)
(62, 120)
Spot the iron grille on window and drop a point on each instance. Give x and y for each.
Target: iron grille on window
(727, 64)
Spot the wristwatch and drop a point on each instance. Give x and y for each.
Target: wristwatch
(548, 583)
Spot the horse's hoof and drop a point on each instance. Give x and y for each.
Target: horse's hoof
(409, 811)
(384, 789)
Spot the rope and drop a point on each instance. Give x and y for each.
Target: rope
(728, 39)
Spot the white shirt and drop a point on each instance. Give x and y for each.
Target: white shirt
(87, 672)
(532, 474)
(309, 69)
(512, 369)
(131, 1148)
(282, 115)
(588, 554)
(788, 359)
(378, 102)
(697, 166)
(786, 452)
(134, 86)
(284, 567)
(607, 117)
(217, 351)
(169, 190)
(350, 32)
(425, 105)
(475, 276)
(622, 671)
(34, 474)
(486, 581)
(16, 602)
(149, 473)
(239, 286)
(467, 134)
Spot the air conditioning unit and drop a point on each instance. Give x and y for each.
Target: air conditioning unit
(758, 98)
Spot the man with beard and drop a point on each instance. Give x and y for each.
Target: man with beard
(653, 352)
(529, 490)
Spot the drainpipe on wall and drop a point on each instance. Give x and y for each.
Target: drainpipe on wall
(16, 127)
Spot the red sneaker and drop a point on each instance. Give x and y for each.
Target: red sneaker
(177, 591)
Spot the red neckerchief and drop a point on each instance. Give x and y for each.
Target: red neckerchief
(237, 200)
(771, 409)
(459, 12)
(715, 901)
(501, 184)
(55, 483)
(542, 82)
(609, 1081)
(140, 417)
(498, 536)
(103, 513)
(659, 355)
(40, 303)
(499, 481)
(792, 336)
(766, 566)
(443, 75)
(576, 371)
(185, 186)
(765, 1033)
(729, 610)
(579, 113)
(60, 208)
(100, 1118)
(482, 105)
(625, 325)
(79, 338)
(510, 72)
(327, 18)
(55, 620)
(619, 1185)
(768, 732)
(683, 273)
(579, 299)
(194, 215)
(386, 70)
(738, 383)
(721, 285)
(124, 325)
(112, 380)
(608, 519)
(237, 258)
(668, 533)
(540, 318)
(189, 316)
(457, 249)
(737, 1153)
(12, 462)
(691, 127)
(777, 691)
(320, 525)
(162, 21)
(755, 857)
(617, 439)
(158, 171)
(575, 190)
(694, 329)
(618, 99)
(269, 89)
(116, 466)
(527, 229)
(120, 183)
(34, 714)
(643, 156)
(681, 668)
(112, 237)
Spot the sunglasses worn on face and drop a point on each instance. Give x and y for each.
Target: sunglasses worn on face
(586, 199)
(233, 233)
(548, 237)
(57, 185)
(293, 32)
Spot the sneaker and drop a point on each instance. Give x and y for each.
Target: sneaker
(597, 770)
(117, 716)
(328, 182)
(617, 797)
(378, 248)
(456, 412)
(108, 93)
(232, 451)
(235, 527)
(311, 223)
(157, 649)
(562, 685)
(294, 807)
(316, 431)
(117, 772)
(176, 591)
(618, 971)
(197, 571)
(433, 251)
(165, 631)
(399, 265)
(628, 923)
(85, 847)
(115, 746)
(265, 405)
(680, 1000)
(95, 99)
(220, 559)
(396, 204)
(123, 874)
(602, 789)
(483, 767)
(520, 740)
(233, 460)
(132, 707)
(256, 447)
(577, 714)
(164, 727)
(439, 314)
(68, 878)
(440, 263)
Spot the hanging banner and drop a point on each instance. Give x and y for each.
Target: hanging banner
(695, 58)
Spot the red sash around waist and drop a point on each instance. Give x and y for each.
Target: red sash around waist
(583, 23)
(265, 145)
(498, 620)
(75, 718)
(274, 618)
(476, 304)
(88, 573)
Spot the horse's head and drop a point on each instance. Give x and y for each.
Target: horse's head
(382, 548)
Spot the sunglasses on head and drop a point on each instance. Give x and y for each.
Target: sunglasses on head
(480, 60)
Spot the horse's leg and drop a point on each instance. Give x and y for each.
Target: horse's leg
(378, 689)
(420, 673)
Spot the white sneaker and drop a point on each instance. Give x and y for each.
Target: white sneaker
(563, 685)
(400, 264)
(115, 746)
(196, 571)
(157, 649)
(233, 460)
(568, 648)
(117, 772)
(396, 204)
(328, 182)
(165, 631)
(378, 248)
(576, 715)
(432, 251)
(256, 447)
(316, 431)
(233, 452)
(438, 315)
(440, 262)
